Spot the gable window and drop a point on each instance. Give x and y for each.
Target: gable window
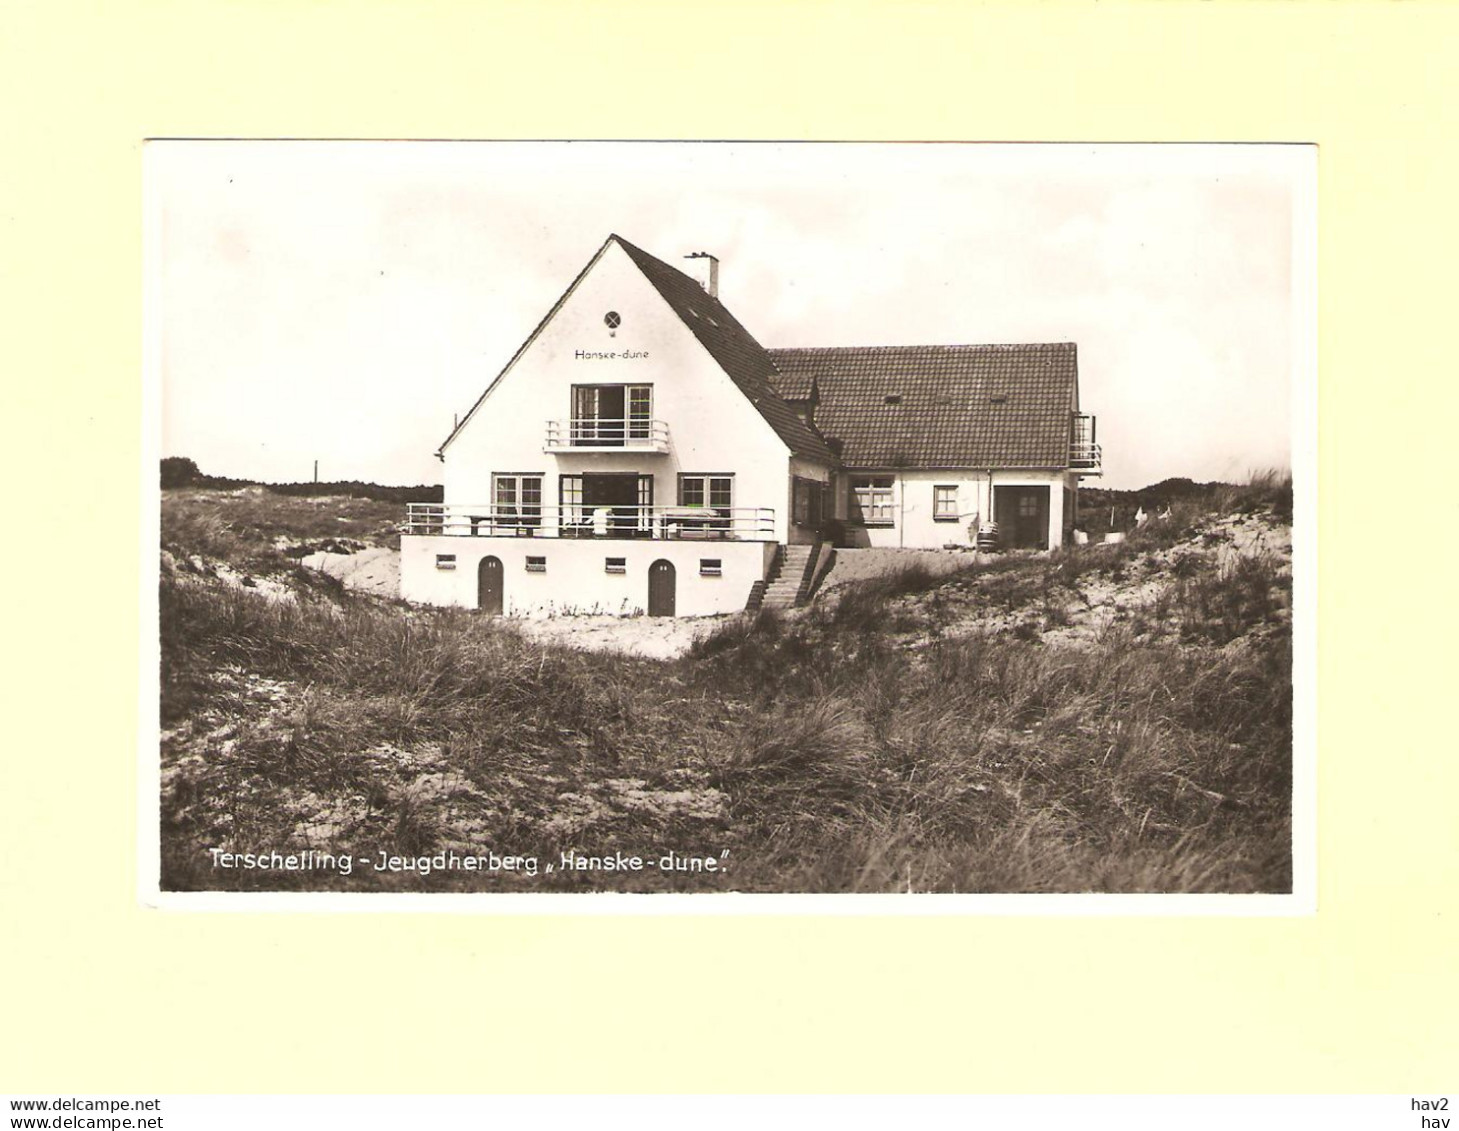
(944, 503)
(871, 500)
(640, 411)
(517, 501)
(605, 416)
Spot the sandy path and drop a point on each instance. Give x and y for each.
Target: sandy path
(374, 571)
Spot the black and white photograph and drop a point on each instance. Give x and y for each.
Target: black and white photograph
(890, 521)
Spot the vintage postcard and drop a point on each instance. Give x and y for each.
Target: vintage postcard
(730, 527)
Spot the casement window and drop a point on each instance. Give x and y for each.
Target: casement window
(570, 500)
(871, 500)
(944, 503)
(713, 492)
(711, 567)
(517, 500)
(537, 564)
(716, 491)
(640, 411)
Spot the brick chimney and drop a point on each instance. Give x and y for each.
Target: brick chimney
(704, 270)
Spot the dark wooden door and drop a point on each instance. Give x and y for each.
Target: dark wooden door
(1022, 515)
(622, 494)
(489, 586)
(661, 589)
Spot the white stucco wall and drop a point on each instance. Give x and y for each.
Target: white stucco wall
(575, 580)
(912, 497)
(712, 426)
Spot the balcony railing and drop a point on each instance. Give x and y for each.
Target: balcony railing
(625, 434)
(1086, 457)
(743, 524)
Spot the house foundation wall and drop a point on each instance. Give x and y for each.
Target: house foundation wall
(574, 578)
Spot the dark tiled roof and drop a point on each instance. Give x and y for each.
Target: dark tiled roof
(960, 406)
(745, 360)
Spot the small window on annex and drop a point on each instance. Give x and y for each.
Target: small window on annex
(944, 503)
(871, 500)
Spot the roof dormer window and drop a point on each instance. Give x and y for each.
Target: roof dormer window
(892, 398)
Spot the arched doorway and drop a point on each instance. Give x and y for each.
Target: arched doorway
(489, 585)
(661, 589)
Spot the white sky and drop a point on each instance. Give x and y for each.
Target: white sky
(340, 301)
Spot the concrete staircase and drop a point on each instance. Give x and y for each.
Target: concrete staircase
(786, 590)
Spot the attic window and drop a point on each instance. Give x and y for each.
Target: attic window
(892, 398)
(612, 320)
(998, 398)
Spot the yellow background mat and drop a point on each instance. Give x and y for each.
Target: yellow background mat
(102, 995)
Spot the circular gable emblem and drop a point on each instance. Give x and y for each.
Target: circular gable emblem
(612, 320)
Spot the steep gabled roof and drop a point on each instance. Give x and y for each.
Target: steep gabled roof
(940, 406)
(745, 360)
(742, 358)
(532, 337)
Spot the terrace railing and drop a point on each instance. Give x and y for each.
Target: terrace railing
(745, 524)
(633, 434)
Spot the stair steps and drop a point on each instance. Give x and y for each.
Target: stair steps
(788, 587)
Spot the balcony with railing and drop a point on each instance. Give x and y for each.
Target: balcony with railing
(743, 524)
(1085, 455)
(624, 434)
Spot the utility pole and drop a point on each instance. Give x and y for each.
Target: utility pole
(316, 471)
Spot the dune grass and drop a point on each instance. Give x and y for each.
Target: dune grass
(985, 765)
(844, 750)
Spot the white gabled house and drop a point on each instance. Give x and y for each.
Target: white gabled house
(642, 452)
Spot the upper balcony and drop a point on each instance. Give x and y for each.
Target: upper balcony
(1085, 455)
(599, 433)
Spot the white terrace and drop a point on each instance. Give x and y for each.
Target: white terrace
(700, 523)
